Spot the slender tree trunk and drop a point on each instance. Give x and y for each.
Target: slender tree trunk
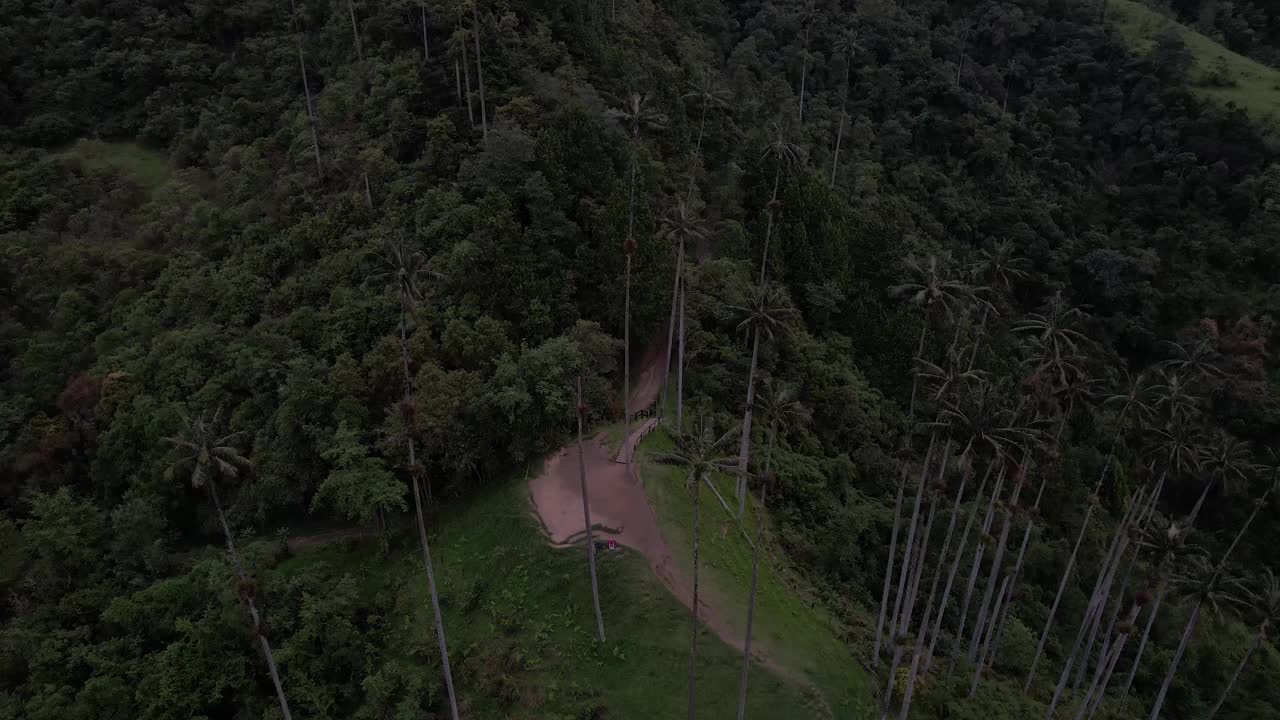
(744, 445)
(311, 114)
(923, 632)
(804, 71)
(626, 367)
(1115, 616)
(1244, 661)
(355, 30)
(978, 552)
(1195, 511)
(888, 570)
(1066, 572)
(457, 79)
(768, 233)
(1106, 574)
(680, 363)
(368, 194)
(1177, 660)
(844, 104)
(755, 574)
(955, 563)
(985, 650)
(985, 605)
(484, 111)
(1017, 571)
(466, 77)
(1142, 643)
(422, 526)
(426, 51)
(693, 645)
(1102, 675)
(911, 537)
(671, 326)
(915, 376)
(253, 608)
(586, 518)
(899, 633)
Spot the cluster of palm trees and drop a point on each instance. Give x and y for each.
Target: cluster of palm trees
(982, 425)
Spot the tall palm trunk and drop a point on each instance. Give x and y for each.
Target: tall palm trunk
(311, 114)
(987, 640)
(844, 104)
(422, 525)
(457, 79)
(249, 601)
(693, 645)
(744, 445)
(1257, 643)
(923, 632)
(1177, 660)
(768, 233)
(804, 71)
(426, 51)
(1071, 562)
(680, 363)
(355, 30)
(1003, 616)
(466, 77)
(904, 620)
(888, 570)
(978, 552)
(955, 562)
(671, 326)
(915, 376)
(911, 536)
(1103, 651)
(628, 248)
(1142, 644)
(755, 574)
(475, 35)
(586, 518)
(980, 623)
(1119, 542)
(1195, 511)
(1106, 665)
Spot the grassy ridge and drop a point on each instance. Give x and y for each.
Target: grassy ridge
(521, 628)
(143, 166)
(1257, 86)
(794, 630)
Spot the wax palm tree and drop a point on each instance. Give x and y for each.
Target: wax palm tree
(1000, 268)
(403, 271)
(1211, 589)
(456, 48)
(211, 457)
(581, 411)
(306, 86)
(1197, 360)
(1054, 331)
(682, 224)
(1265, 605)
(700, 453)
(848, 46)
(809, 14)
(1128, 400)
(1227, 461)
(765, 314)
(635, 115)
(709, 97)
(780, 410)
(1165, 542)
(932, 286)
(1172, 397)
(475, 36)
(784, 155)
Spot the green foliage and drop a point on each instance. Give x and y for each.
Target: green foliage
(358, 486)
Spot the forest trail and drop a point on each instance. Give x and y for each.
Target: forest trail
(620, 510)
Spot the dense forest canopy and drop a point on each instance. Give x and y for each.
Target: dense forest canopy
(977, 215)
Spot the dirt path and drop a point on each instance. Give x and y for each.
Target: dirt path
(621, 510)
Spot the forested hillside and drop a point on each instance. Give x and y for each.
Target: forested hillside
(274, 269)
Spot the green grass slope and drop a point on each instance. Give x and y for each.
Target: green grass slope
(1257, 87)
(143, 166)
(521, 629)
(791, 627)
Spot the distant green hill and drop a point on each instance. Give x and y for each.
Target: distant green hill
(1256, 87)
